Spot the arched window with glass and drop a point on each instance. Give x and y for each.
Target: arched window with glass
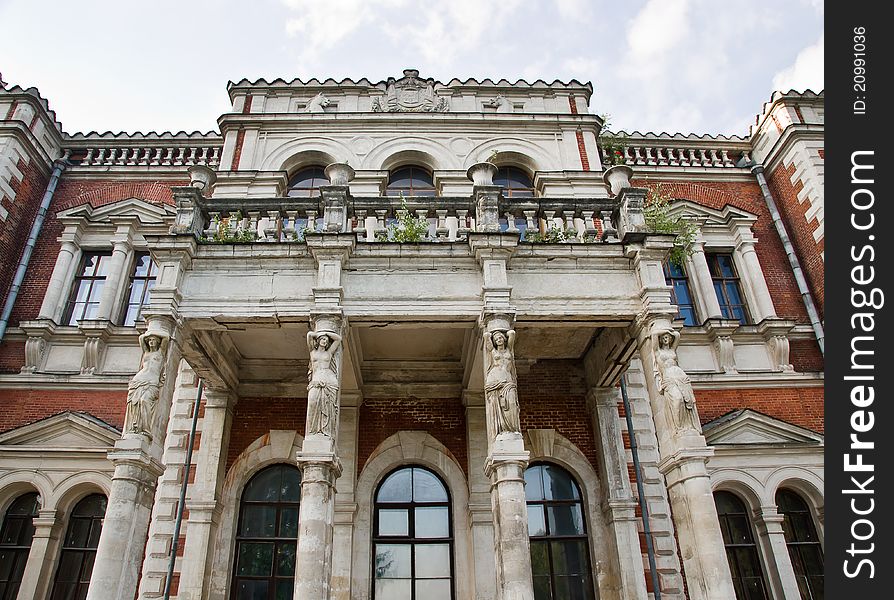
(267, 535)
(803, 544)
(410, 181)
(516, 183)
(412, 537)
(741, 550)
(306, 183)
(16, 534)
(79, 548)
(560, 555)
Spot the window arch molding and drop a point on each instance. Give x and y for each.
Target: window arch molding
(808, 486)
(306, 151)
(514, 152)
(16, 483)
(276, 446)
(398, 152)
(407, 448)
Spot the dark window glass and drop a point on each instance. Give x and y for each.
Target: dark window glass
(412, 537)
(726, 286)
(15, 543)
(410, 181)
(87, 288)
(142, 280)
(267, 537)
(803, 544)
(306, 183)
(741, 551)
(560, 558)
(79, 549)
(675, 277)
(515, 182)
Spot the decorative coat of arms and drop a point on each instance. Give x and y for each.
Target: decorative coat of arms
(410, 94)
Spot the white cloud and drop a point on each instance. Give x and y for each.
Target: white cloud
(807, 70)
(658, 27)
(574, 9)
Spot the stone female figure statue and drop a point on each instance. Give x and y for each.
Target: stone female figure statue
(322, 387)
(500, 388)
(673, 382)
(145, 387)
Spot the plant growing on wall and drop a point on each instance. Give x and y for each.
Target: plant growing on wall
(614, 145)
(406, 229)
(552, 235)
(224, 233)
(658, 219)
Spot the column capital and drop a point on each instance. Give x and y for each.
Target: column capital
(602, 396)
(132, 458)
(507, 450)
(685, 463)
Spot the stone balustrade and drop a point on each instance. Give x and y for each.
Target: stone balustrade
(678, 151)
(150, 155)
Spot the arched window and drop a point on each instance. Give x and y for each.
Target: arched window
(741, 551)
(803, 544)
(79, 548)
(560, 558)
(412, 537)
(306, 183)
(267, 536)
(410, 181)
(516, 183)
(15, 542)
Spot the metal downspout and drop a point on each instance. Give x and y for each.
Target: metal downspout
(812, 313)
(640, 491)
(59, 166)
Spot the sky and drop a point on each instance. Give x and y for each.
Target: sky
(701, 66)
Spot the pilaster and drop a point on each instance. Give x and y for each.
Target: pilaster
(771, 537)
(39, 569)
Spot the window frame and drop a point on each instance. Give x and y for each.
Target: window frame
(314, 190)
(18, 549)
(408, 191)
(727, 309)
(83, 551)
(735, 570)
(669, 279)
(795, 546)
(149, 281)
(75, 287)
(510, 191)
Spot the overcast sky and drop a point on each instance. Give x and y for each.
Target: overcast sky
(703, 66)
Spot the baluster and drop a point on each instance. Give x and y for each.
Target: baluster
(727, 161)
(441, 230)
(89, 158)
(134, 155)
(637, 157)
(381, 228)
(608, 228)
(703, 156)
(568, 214)
(510, 222)
(462, 223)
(662, 156)
(169, 157)
(650, 160)
(673, 157)
(192, 156)
(590, 230)
(529, 219)
(203, 159)
(213, 224)
(179, 161)
(746, 158)
(715, 157)
(311, 221)
(215, 157)
(290, 226)
(156, 158)
(360, 228)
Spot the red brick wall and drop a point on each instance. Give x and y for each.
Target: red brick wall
(15, 228)
(552, 395)
(443, 419)
(800, 230)
(254, 417)
(799, 406)
(21, 407)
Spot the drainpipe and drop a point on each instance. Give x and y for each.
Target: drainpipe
(58, 167)
(812, 313)
(640, 491)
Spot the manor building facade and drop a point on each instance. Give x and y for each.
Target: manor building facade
(410, 339)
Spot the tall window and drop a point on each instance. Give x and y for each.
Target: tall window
(741, 551)
(306, 183)
(515, 182)
(87, 288)
(676, 278)
(560, 558)
(79, 549)
(803, 544)
(267, 536)
(141, 283)
(412, 537)
(726, 286)
(410, 181)
(15, 543)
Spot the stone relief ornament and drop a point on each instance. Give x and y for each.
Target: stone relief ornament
(322, 387)
(673, 382)
(317, 104)
(503, 105)
(145, 387)
(410, 94)
(500, 387)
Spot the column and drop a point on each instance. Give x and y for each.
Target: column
(704, 284)
(137, 460)
(620, 503)
(753, 279)
(122, 245)
(39, 568)
(203, 500)
(50, 308)
(345, 504)
(481, 516)
(781, 574)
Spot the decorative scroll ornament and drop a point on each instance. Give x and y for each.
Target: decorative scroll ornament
(673, 382)
(145, 387)
(322, 387)
(410, 94)
(500, 387)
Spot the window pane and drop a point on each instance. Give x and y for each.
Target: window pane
(288, 522)
(392, 560)
(540, 558)
(541, 588)
(558, 484)
(725, 264)
(255, 559)
(432, 560)
(264, 487)
(432, 522)
(136, 291)
(258, 521)
(251, 590)
(433, 589)
(536, 520)
(397, 487)
(566, 520)
(394, 589)
(285, 558)
(285, 589)
(427, 487)
(78, 532)
(69, 567)
(291, 485)
(534, 483)
(569, 557)
(394, 521)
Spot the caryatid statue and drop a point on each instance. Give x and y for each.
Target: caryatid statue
(145, 387)
(500, 387)
(322, 387)
(673, 382)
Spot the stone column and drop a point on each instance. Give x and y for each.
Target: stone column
(203, 502)
(780, 573)
(345, 504)
(701, 278)
(506, 461)
(39, 568)
(481, 516)
(51, 307)
(619, 501)
(137, 460)
(753, 278)
(121, 248)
